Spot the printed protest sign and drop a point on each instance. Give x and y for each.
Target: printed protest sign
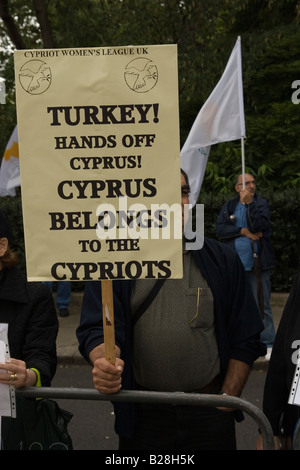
(100, 162)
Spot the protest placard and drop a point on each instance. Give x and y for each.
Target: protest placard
(100, 162)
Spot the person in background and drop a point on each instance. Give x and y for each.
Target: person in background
(199, 334)
(63, 296)
(28, 309)
(244, 224)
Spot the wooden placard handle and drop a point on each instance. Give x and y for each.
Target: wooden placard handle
(108, 321)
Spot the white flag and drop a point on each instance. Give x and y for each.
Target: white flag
(10, 167)
(221, 119)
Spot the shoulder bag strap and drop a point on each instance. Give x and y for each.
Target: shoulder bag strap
(145, 304)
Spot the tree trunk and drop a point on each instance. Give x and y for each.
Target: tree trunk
(42, 16)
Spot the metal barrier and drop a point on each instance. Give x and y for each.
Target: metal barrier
(177, 398)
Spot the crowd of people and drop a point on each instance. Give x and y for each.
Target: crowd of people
(218, 320)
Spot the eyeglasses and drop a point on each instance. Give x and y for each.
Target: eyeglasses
(247, 183)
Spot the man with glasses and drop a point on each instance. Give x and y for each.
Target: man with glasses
(244, 224)
(198, 334)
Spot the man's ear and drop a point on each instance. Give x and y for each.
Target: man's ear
(3, 246)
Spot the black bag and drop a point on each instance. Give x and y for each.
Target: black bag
(39, 425)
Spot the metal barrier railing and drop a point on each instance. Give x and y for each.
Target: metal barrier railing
(180, 398)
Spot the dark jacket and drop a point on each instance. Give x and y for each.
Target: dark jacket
(282, 367)
(28, 309)
(238, 321)
(258, 220)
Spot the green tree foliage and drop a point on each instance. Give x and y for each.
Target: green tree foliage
(271, 63)
(205, 33)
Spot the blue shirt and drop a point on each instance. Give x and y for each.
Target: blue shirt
(243, 244)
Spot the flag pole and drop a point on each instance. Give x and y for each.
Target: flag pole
(243, 161)
(241, 106)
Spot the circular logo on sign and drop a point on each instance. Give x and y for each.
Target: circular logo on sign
(35, 77)
(141, 75)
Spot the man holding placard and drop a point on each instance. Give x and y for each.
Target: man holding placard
(194, 336)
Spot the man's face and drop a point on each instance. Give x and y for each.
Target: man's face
(185, 189)
(249, 184)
